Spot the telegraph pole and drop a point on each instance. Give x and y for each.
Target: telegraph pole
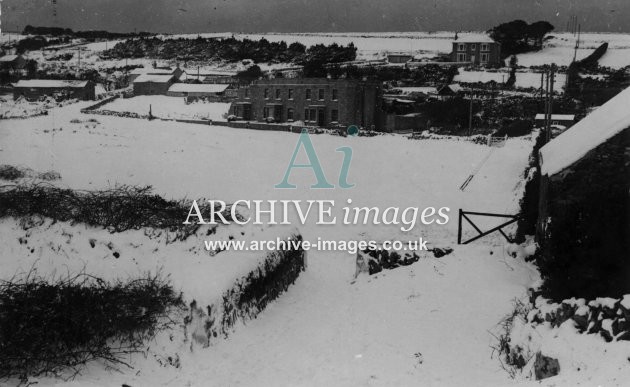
(470, 114)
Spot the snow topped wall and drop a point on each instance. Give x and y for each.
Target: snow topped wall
(595, 129)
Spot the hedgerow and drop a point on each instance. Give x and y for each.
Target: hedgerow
(52, 326)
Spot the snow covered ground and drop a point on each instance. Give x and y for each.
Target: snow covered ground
(169, 107)
(429, 323)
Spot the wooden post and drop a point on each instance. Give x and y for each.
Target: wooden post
(459, 228)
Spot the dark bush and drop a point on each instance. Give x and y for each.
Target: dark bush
(47, 327)
(9, 172)
(117, 209)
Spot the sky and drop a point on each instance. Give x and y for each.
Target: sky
(193, 16)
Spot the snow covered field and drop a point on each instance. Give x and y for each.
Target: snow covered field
(325, 330)
(169, 107)
(430, 323)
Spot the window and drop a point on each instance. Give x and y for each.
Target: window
(334, 115)
(484, 58)
(320, 94)
(308, 93)
(247, 92)
(334, 94)
(306, 115)
(461, 47)
(485, 47)
(278, 91)
(461, 57)
(290, 92)
(265, 112)
(289, 114)
(473, 46)
(312, 114)
(266, 94)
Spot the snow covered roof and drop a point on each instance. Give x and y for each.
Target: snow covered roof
(144, 70)
(50, 83)
(473, 38)
(595, 129)
(157, 78)
(556, 117)
(197, 88)
(424, 90)
(8, 58)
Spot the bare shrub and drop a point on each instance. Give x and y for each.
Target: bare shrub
(50, 326)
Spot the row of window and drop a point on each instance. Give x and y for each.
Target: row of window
(321, 93)
(473, 46)
(483, 58)
(310, 114)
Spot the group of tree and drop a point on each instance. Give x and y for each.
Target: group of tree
(230, 50)
(90, 35)
(518, 36)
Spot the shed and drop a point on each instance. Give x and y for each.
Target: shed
(583, 204)
(148, 84)
(399, 58)
(197, 90)
(33, 89)
(12, 62)
(565, 120)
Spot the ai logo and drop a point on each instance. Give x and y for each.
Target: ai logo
(305, 142)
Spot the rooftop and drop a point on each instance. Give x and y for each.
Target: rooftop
(50, 83)
(157, 78)
(474, 38)
(595, 129)
(197, 88)
(8, 58)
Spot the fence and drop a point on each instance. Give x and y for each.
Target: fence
(499, 228)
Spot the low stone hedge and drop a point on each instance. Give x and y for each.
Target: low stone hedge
(607, 317)
(249, 296)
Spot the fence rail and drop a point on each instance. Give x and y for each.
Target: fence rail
(463, 216)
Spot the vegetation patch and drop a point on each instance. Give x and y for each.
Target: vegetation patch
(50, 326)
(118, 209)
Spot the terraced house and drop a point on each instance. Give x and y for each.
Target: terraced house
(313, 101)
(477, 50)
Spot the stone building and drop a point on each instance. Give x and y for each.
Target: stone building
(313, 101)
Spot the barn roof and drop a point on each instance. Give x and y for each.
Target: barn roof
(595, 129)
(156, 78)
(474, 38)
(8, 58)
(558, 117)
(50, 83)
(197, 88)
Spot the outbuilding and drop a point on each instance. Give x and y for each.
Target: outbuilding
(33, 89)
(198, 90)
(147, 84)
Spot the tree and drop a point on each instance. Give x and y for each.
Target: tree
(538, 30)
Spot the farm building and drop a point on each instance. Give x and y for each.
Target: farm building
(177, 72)
(584, 210)
(33, 89)
(450, 90)
(399, 58)
(315, 101)
(199, 90)
(147, 84)
(565, 120)
(13, 63)
(477, 50)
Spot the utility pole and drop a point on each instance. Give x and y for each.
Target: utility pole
(577, 43)
(470, 114)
